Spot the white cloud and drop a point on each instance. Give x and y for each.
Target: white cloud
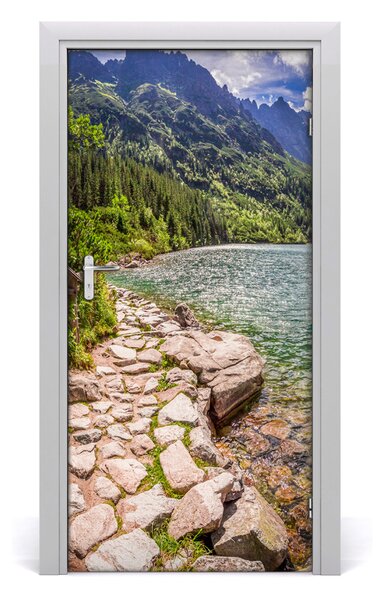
(307, 97)
(298, 60)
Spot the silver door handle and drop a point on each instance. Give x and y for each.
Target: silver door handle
(89, 268)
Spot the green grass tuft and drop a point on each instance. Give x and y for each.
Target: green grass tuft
(191, 545)
(156, 475)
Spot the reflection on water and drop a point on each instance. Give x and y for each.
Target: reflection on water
(264, 292)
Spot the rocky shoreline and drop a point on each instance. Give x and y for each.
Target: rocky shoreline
(148, 487)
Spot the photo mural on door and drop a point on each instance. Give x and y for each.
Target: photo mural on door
(190, 388)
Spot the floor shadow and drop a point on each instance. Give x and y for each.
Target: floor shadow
(356, 543)
(25, 543)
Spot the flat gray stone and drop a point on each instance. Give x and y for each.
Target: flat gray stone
(177, 374)
(179, 409)
(146, 510)
(101, 407)
(133, 387)
(79, 423)
(148, 411)
(90, 528)
(106, 489)
(168, 434)
(226, 564)
(103, 421)
(112, 449)
(76, 501)
(127, 472)
(132, 552)
(119, 432)
(78, 410)
(83, 388)
(123, 353)
(150, 386)
(148, 400)
(88, 436)
(150, 356)
(179, 468)
(141, 444)
(122, 413)
(104, 370)
(82, 460)
(137, 344)
(140, 426)
(136, 368)
(115, 385)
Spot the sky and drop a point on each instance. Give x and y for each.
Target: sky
(260, 75)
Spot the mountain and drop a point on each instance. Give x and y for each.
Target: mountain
(84, 65)
(165, 112)
(289, 127)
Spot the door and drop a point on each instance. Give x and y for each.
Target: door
(190, 356)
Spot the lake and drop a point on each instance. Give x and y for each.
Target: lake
(263, 291)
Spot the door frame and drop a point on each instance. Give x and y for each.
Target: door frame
(324, 40)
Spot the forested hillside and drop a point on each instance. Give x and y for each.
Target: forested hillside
(161, 158)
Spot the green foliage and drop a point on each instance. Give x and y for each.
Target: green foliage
(140, 199)
(97, 320)
(82, 134)
(163, 384)
(191, 546)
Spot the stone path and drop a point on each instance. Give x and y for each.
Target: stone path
(148, 487)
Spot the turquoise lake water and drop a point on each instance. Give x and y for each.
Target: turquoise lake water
(263, 291)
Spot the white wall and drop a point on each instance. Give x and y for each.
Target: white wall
(363, 304)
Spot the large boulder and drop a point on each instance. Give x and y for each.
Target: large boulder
(185, 317)
(227, 363)
(146, 510)
(252, 530)
(227, 564)
(179, 468)
(201, 509)
(133, 551)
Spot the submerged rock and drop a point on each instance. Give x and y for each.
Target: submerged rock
(252, 530)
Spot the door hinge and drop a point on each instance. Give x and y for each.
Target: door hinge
(310, 508)
(310, 126)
